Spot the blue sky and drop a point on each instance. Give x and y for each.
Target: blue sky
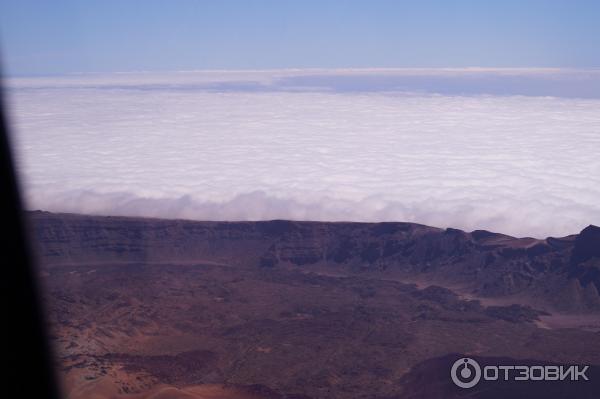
(58, 37)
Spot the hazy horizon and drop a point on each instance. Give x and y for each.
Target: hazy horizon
(63, 36)
(457, 114)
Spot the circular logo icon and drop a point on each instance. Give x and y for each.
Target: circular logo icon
(465, 372)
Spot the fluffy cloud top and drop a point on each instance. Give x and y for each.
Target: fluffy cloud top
(470, 149)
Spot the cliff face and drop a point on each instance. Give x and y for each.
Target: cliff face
(160, 308)
(563, 273)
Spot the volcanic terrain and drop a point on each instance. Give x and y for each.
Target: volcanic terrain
(149, 308)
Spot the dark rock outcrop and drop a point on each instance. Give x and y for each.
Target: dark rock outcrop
(563, 273)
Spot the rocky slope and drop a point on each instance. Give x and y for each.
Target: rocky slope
(553, 273)
(143, 308)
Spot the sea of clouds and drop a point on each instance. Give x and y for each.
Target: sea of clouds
(515, 151)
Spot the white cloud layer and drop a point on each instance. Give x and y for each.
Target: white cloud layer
(302, 145)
